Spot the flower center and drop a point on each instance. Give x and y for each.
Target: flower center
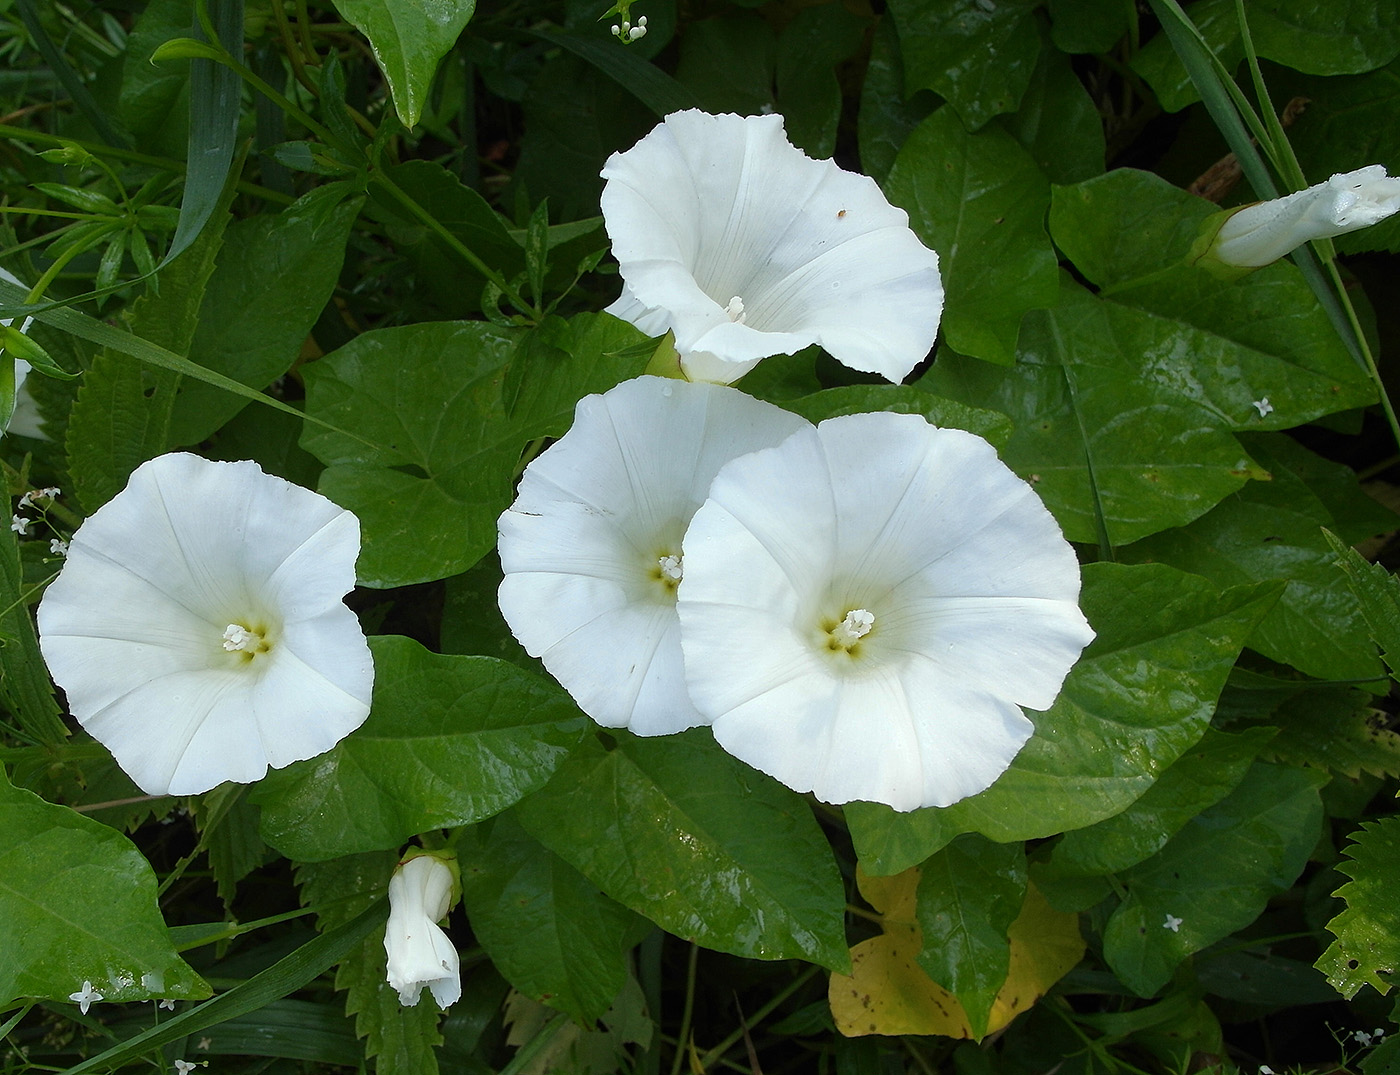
(858, 623)
(247, 641)
(735, 310)
(666, 570)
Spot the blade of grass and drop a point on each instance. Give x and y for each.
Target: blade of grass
(285, 976)
(72, 81)
(104, 335)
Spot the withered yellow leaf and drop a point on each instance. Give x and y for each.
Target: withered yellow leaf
(887, 992)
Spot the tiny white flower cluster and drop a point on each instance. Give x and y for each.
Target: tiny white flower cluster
(629, 33)
(1366, 1040)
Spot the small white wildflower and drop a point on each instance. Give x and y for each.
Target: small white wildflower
(85, 997)
(58, 547)
(636, 32)
(1263, 406)
(20, 525)
(1264, 1069)
(1172, 923)
(1361, 1038)
(616, 30)
(204, 1043)
(167, 1004)
(183, 1067)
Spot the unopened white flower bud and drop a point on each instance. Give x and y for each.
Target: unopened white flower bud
(421, 892)
(1262, 233)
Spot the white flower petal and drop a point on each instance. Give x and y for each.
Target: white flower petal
(706, 209)
(596, 513)
(960, 588)
(419, 952)
(134, 627)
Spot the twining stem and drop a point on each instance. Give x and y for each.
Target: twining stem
(683, 1037)
(462, 251)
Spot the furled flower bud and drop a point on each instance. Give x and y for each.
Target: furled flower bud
(421, 892)
(1259, 234)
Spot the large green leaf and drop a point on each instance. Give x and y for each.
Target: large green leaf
(812, 47)
(1142, 693)
(553, 935)
(78, 904)
(409, 38)
(449, 741)
(969, 894)
(1341, 37)
(1094, 434)
(1263, 338)
(977, 55)
(1058, 122)
(274, 276)
(454, 403)
(886, 117)
(1273, 530)
(979, 200)
(704, 846)
(1215, 875)
(1367, 948)
(1201, 777)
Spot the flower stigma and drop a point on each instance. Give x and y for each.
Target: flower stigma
(858, 623)
(668, 571)
(735, 310)
(249, 641)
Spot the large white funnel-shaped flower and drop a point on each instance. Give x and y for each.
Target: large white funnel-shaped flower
(745, 247)
(591, 548)
(1259, 234)
(868, 606)
(197, 625)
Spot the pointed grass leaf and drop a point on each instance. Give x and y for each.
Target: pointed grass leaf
(547, 929)
(409, 39)
(1215, 875)
(704, 846)
(78, 905)
(1367, 948)
(978, 56)
(969, 894)
(1142, 693)
(979, 200)
(449, 741)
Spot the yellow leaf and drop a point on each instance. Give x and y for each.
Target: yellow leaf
(887, 992)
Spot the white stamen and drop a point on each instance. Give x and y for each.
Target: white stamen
(670, 568)
(238, 639)
(735, 310)
(853, 628)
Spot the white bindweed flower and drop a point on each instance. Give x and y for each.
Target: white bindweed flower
(421, 892)
(591, 548)
(745, 247)
(198, 629)
(1259, 234)
(867, 607)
